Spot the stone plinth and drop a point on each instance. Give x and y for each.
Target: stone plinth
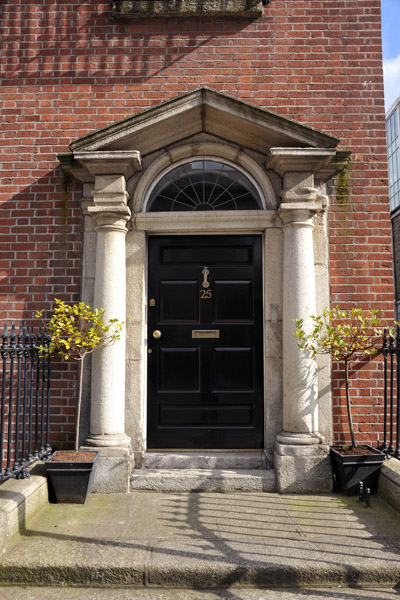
(128, 9)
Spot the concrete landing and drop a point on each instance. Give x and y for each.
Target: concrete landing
(210, 541)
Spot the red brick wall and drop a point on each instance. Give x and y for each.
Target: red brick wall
(68, 68)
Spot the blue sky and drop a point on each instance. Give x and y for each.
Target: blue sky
(391, 49)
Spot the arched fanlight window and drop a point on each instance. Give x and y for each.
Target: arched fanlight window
(204, 185)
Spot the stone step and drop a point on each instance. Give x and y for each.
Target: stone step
(131, 593)
(205, 460)
(149, 541)
(204, 480)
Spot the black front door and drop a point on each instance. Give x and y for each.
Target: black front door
(205, 342)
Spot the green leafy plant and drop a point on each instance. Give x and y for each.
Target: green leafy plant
(347, 335)
(75, 331)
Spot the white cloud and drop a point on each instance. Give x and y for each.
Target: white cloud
(391, 72)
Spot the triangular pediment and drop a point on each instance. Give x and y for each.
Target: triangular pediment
(203, 111)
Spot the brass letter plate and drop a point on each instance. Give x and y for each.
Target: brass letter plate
(205, 333)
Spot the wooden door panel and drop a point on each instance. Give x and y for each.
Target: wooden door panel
(233, 369)
(233, 301)
(178, 369)
(186, 310)
(213, 254)
(207, 415)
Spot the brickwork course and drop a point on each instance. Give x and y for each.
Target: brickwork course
(69, 68)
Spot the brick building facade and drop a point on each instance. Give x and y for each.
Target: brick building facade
(304, 74)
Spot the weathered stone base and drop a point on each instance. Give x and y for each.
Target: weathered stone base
(20, 501)
(187, 8)
(113, 469)
(389, 482)
(303, 469)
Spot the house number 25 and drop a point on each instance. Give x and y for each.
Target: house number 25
(205, 294)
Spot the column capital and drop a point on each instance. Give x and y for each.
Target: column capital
(300, 214)
(109, 209)
(301, 171)
(110, 218)
(109, 170)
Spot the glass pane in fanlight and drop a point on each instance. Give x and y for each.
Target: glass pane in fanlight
(204, 185)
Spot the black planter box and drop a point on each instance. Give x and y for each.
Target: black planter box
(349, 470)
(71, 480)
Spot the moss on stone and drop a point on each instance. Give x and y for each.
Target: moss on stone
(342, 187)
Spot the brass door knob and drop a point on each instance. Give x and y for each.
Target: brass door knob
(157, 334)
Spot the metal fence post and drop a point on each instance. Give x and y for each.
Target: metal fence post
(24, 401)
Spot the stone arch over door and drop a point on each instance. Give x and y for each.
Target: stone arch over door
(288, 163)
(212, 151)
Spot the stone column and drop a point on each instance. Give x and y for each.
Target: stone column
(110, 213)
(300, 389)
(300, 452)
(87, 293)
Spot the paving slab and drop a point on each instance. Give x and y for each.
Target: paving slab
(152, 540)
(130, 593)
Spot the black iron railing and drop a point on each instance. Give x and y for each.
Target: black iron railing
(391, 395)
(24, 401)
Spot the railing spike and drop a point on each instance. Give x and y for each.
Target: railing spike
(32, 338)
(5, 335)
(20, 337)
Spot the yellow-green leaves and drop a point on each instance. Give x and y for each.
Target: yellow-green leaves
(78, 329)
(345, 334)
(75, 331)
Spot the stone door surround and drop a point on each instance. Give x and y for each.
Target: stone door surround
(291, 284)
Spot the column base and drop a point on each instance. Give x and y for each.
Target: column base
(303, 469)
(103, 440)
(299, 439)
(113, 470)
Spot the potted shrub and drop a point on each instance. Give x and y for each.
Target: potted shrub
(75, 331)
(348, 336)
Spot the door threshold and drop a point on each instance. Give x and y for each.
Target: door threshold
(204, 480)
(204, 450)
(205, 459)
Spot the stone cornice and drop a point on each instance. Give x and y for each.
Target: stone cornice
(204, 111)
(311, 160)
(323, 163)
(84, 166)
